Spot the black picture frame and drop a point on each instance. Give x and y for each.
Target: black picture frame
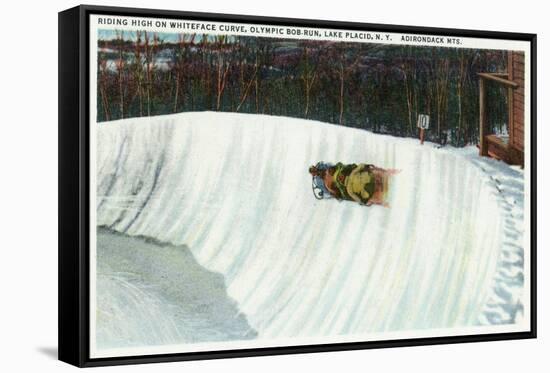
(74, 190)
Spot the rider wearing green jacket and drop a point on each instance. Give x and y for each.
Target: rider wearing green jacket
(365, 184)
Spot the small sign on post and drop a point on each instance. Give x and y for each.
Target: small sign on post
(423, 123)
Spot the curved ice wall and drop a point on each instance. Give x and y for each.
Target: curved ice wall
(235, 189)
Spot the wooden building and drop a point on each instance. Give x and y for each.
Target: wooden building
(509, 148)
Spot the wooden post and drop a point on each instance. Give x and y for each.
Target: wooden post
(511, 125)
(501, 79)
(482, 125)
(423, 122)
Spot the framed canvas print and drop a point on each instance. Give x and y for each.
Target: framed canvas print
(237, 186)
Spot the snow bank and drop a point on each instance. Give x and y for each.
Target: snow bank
(234, 188)
(149, 294)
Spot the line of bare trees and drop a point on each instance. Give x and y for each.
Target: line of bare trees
(377, 87)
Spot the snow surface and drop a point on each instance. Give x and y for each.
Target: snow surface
(235, 189)
(144, 278)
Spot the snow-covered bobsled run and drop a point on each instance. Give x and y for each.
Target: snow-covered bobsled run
(235, 190)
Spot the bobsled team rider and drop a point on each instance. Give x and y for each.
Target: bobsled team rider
(365, 184)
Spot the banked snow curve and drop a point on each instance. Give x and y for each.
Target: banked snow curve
(234, 188)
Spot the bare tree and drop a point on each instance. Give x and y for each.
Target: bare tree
(223, 64)
(120, 65)
(246, 82)
(264, 54)
(310, 63)
(439, 86)
(206, 67)
(466, 58)
(103, 76)
(347, 61)
(181, 64)
(150, 53)
(409, 69)
(138, 71)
